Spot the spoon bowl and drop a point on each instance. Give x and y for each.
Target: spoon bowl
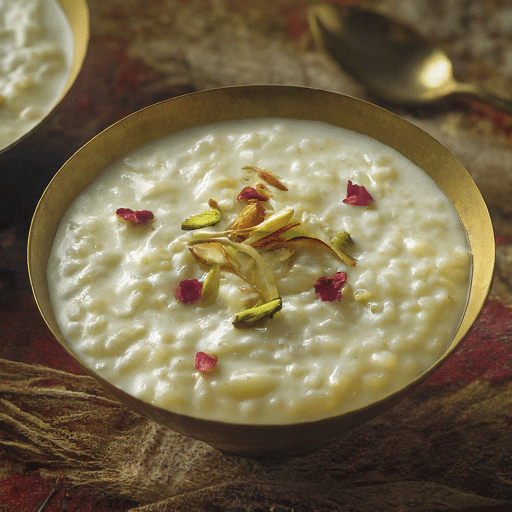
(392, 60)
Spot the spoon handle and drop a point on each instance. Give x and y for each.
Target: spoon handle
(478, 93)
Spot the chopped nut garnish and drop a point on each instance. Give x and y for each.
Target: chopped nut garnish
(252, 316)
(233, 256)
(263, 190)
(343, 242)
(270, 225)
(204, 219)
(252, 215)
(211, 286)
(267, 176)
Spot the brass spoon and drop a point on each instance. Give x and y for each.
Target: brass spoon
(390, 59)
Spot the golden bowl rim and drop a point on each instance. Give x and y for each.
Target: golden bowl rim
(77, 14)
(280, 101)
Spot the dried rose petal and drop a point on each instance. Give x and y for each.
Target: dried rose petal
(189, 291)
(251, 194)
(329, 288)
(135, 217)
(357, 195)
(205, 362)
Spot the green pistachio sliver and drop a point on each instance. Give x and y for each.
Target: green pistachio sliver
(249, 317)
(202, 220)
(227, 254)
(273, 223)
(211, 286)
(343, 242)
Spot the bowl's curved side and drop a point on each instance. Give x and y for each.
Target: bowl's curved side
(77, 14)
(244, 102)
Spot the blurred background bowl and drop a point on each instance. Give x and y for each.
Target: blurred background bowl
(77, 16)
(232, 103)
(28, 163)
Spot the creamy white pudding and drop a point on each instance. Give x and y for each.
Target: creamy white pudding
(36, 51)
(113, 283)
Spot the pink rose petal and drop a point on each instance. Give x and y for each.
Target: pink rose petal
(357, 195)
(135, 217)
(329, 288)
(205, 362)
(189, 291)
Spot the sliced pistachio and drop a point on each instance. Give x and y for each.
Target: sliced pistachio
(276, 237)
(298, 234)
(211, 287)
(204, 219)
(211, 253)
(243, 260)
(257, 314)
(252, 215)
(267, 176)
(343, 242)
(273, 223)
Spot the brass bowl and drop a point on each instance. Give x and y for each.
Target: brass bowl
(243, 102)
(77, 14)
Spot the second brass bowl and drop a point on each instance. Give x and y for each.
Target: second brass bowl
(77, 15)
(244, 102)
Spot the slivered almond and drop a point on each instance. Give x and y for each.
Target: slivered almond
(267, 176)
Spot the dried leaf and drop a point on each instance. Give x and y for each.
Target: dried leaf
(257, 314)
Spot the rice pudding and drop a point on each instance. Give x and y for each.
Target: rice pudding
(264, 271)
(36, 51)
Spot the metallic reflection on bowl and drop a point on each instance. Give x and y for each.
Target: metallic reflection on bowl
(243, 102)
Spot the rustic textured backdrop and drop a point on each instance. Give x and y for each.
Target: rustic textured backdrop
(65, 445)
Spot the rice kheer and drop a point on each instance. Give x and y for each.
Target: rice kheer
(350, 259)
(36, 51)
